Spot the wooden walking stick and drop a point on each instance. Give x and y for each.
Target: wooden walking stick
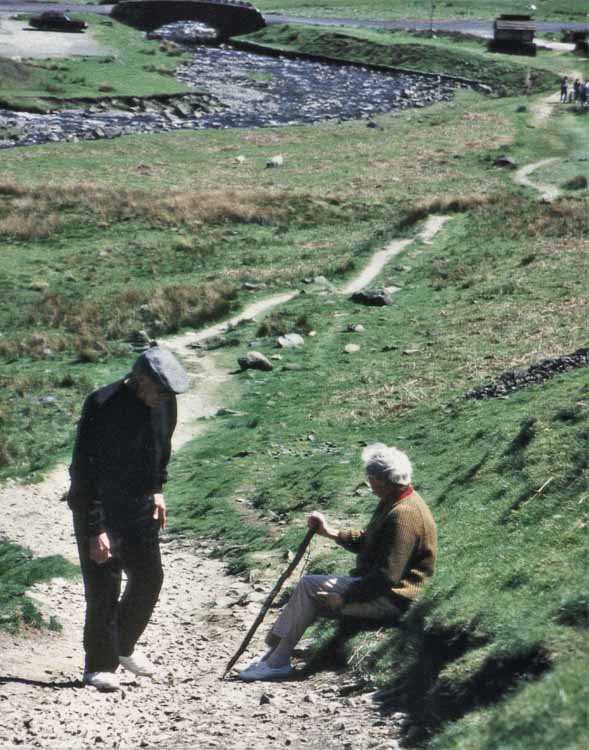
(271, 596)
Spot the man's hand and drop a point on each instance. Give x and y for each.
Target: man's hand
(159, 509)
(330, 601)
(99, 549)
(317, 521)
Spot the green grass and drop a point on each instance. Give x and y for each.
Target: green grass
(18, 572)
(130, 66)
(493, 656)
(452, 56)
(560, 10)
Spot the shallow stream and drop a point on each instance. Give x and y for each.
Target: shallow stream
(235, 89)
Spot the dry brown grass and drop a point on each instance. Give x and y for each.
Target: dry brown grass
(164, 309)
(34, 213)
(25, 224)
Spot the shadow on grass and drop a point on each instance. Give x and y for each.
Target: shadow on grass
(426, 687)
(463, 479)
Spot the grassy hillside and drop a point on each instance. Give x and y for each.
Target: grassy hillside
(390, 9)
(102, 238)
(131, 66)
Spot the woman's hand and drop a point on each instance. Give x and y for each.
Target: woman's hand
(317, 522)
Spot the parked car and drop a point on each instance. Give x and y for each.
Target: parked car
(53, 20)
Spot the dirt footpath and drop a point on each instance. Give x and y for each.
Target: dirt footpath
(19, 40)
(199, 622)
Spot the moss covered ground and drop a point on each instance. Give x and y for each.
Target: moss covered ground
(494, 654)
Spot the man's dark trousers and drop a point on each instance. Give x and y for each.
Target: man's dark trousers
(113, 627)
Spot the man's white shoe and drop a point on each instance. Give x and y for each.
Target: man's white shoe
(102, 680)
(260, 671)
(138, 664)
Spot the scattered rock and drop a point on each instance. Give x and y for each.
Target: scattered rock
(576, 183)
(292, 367)
(505, 161)
(223, 412)
(522, 108)
(39, 286)
(255, 361)
(291, 341)
(275, 161)
(240, 159)
(323, 282)
(355, 328)
(373, 298)
(351, 348)
(512, 380)
(140, 339)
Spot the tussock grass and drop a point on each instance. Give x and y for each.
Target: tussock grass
(457, 203)
(163, 309)
(21, 205)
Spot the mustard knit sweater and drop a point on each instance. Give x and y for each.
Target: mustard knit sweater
(396, 553)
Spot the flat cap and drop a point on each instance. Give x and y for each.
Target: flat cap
(161, 365)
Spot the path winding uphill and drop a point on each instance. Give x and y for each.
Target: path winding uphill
(199, 621)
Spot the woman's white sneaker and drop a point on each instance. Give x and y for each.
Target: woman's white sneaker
(138, 664)
(260, 671)
(102, 680)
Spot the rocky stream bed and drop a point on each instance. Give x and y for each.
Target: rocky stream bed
(234, 89)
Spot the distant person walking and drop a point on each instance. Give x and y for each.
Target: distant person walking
(564, 90)
(576, 90)
(118, 470)
(585, 95)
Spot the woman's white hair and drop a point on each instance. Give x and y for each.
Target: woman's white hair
(384, 462)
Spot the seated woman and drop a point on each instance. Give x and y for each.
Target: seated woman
(396, 556)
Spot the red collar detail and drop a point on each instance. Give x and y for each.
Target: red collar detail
(406, 493)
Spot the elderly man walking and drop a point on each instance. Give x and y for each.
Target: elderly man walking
(118, 470)
(396, 556)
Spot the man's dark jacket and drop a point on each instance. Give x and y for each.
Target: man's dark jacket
(120, 459)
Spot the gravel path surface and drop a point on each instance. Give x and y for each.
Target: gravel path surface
(548, 191)
(200, 620)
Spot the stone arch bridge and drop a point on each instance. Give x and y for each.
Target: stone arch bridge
(228, 17)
